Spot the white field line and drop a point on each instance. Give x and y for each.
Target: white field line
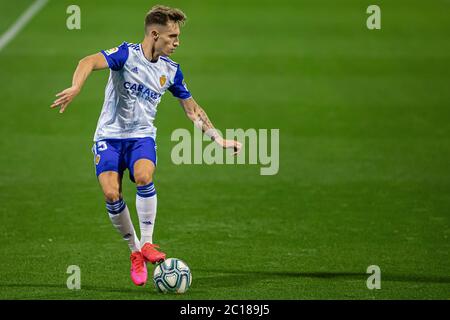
(26, 16)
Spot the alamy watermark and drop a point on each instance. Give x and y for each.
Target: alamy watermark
(374, 20)
(73, 22)
(74, 280)
(374, 280)
(258, 147)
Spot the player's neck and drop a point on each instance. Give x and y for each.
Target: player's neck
(149, 51)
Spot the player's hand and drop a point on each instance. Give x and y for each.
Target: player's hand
(228, 144)
(65, 97)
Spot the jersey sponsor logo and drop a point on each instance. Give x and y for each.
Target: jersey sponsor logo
(111, 51)
(162, 80)
(141, 91)
(97, 159)
(135, 70)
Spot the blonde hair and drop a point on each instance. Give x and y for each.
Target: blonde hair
(162, 15)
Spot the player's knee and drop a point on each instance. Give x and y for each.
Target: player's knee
(112, 195)
(143, 179)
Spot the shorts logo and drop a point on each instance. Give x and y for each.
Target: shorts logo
(97, 159)
(111, 51)
(162, 80)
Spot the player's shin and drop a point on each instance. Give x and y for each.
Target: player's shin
(120, 218)
(146, 208)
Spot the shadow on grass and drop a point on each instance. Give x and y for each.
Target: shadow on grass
(230, 278)
(213, 278)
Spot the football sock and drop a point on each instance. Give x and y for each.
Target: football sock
(120, 218)
(146, 209)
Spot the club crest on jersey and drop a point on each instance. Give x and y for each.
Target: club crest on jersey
(162, 80)
(97, 159)
(111, 51)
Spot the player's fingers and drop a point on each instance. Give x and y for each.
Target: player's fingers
(62, 100)
(63, 107)
(59, 101)
(237, 148)
(61, 93)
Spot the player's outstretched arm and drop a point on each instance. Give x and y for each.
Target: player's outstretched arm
(200, 119)
(85, 67)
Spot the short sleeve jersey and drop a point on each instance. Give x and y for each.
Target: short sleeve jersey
(134, 90)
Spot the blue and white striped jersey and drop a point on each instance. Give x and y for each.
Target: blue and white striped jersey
(134, 90)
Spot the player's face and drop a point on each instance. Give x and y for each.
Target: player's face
(168, 38)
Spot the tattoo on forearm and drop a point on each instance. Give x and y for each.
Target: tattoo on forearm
(202, 122)
(206, 123)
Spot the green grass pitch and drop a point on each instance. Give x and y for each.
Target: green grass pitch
(364, 179)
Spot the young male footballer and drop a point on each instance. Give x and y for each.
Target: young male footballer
(125, 136)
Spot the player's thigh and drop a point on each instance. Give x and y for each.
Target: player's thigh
(143, 171)
(107, 156)
(109, 168)
(141, 161)
(111, 184)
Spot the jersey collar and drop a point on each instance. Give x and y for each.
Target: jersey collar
(148, 62)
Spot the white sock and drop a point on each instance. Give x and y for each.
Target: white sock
(120, 218)
(146, 208)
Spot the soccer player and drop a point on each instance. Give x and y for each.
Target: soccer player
(125, 135)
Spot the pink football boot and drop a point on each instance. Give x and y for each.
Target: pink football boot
(138, 269)
(151, 254)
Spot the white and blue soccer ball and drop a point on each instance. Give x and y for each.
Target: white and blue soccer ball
(172, 275)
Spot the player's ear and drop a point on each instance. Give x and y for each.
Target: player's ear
(154, 34)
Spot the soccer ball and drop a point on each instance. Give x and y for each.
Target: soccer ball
(172, 275)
